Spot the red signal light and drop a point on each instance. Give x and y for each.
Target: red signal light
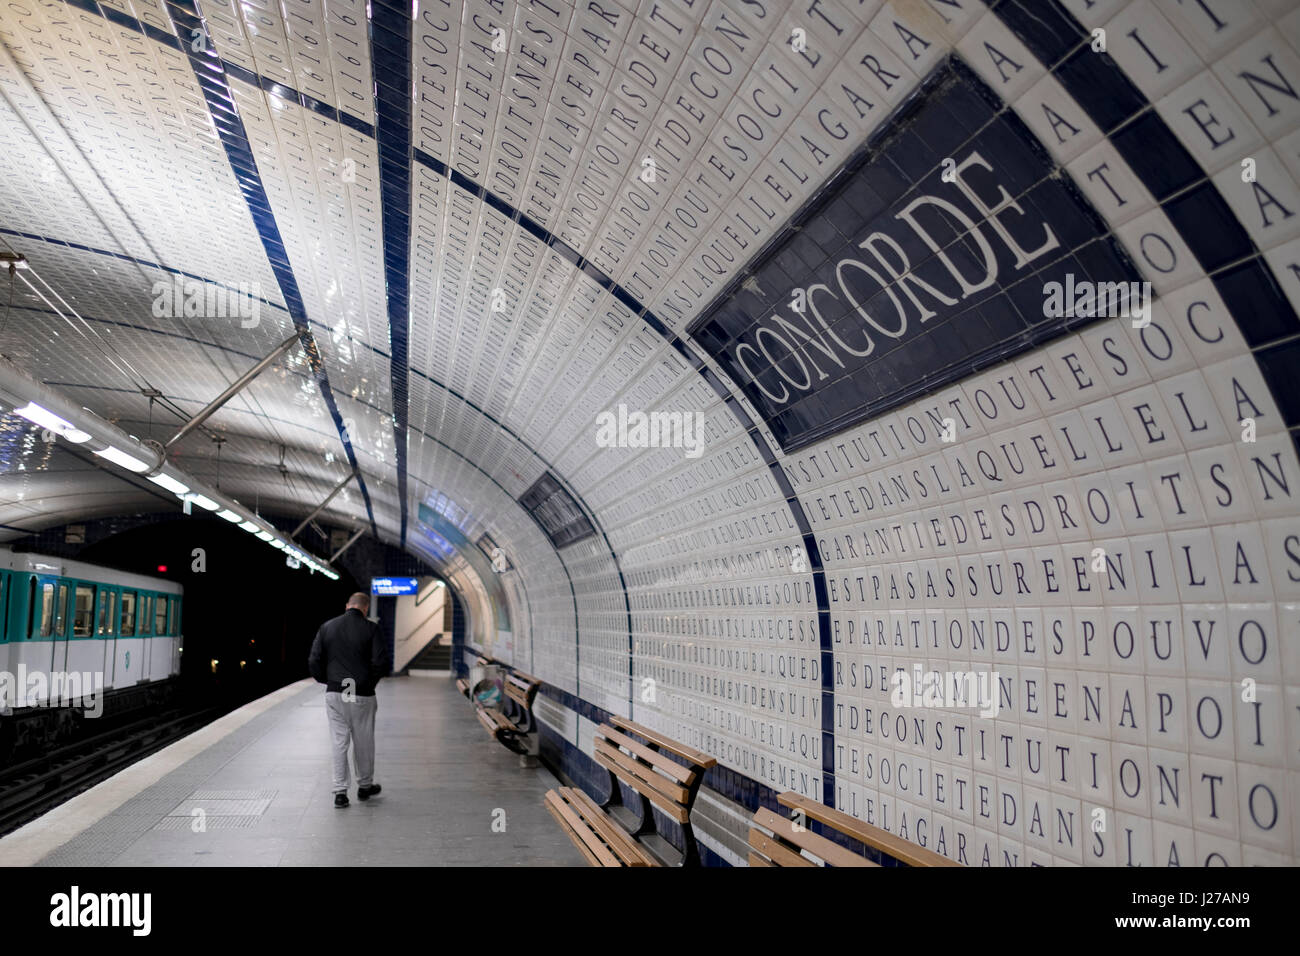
(162, 569)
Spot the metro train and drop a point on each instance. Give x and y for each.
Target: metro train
(75, 636)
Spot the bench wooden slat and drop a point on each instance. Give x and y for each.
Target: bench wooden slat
(883, 840)
(667, 804)
(602, 842)
(683, 775)
(462, 686)
(778, 853)
(699, 758)
(668, 788)
(494, 721)
(805, 839)
(614, 835)
(757, 860)
(597, 854)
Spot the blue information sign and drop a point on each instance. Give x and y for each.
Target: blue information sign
(392, 586)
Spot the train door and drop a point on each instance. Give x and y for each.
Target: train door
(4, 630)
(82, 642)
(106, 626)
(162, 640)
(61, 626)
(174, 645)
(127, 641)
(29, 653)
(138, 666)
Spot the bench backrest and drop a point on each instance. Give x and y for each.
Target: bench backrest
(793, 835)
(645, 765)
(522, 688)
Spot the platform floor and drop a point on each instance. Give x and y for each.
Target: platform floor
(265, 792)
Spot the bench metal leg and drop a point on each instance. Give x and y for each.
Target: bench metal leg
(638, 820)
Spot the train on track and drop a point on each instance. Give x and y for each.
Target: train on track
(78, 640)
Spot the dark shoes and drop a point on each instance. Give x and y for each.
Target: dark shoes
(365, 793)
(341, 800)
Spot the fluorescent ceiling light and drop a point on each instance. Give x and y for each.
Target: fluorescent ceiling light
(277, 543)
(119, 457)
(265, 535)
(230, 515)
(170, 483)
(46, 419)
(249, 526)
(203, 501)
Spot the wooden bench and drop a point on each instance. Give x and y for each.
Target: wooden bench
(494, 722)
(647, 767)
(788, 837)
(462, 686)
(602, 842)
(521, 691)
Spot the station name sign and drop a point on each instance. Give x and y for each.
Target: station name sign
(388, 587)
(924, 262)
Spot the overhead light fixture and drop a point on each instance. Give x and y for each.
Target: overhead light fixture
(230, 515)
(170, 483)
(46, 419)
(250, 527)
(119, 457)
(277, 543)
(203, 501)
(265, 535)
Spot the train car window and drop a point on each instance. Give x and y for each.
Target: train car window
(31, 609)
(176, 615)
(160, 615)
(61, 612)
(47, 609)
(83, 621)
(107, 608)
(146, 613)
(4, 606)
(127, 627)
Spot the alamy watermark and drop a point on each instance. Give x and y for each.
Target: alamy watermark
(949, 690)
(1087, 299)
(637, 429)
(196, 299)
(40, 688)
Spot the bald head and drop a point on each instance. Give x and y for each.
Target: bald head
(360, 601)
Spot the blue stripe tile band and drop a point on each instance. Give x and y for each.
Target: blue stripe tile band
(392, 76)
(230, 129)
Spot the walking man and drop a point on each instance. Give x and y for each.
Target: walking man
(349, 657)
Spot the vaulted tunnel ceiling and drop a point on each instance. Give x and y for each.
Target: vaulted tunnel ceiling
(490, 223)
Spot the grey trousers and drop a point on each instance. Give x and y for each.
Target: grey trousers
(352, 721)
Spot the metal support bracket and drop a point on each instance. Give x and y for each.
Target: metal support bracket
(234, 389)
(321, 507)
(349, 543)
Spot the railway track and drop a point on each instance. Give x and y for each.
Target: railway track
(33, 787)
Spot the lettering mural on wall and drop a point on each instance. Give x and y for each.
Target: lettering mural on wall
(869, 301)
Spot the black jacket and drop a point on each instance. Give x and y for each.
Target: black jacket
(350, 645)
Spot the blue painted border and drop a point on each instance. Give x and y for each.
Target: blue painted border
(230, 129)
(390, 32)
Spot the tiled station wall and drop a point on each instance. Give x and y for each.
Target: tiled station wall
(1151, 709)
(1148, 712)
